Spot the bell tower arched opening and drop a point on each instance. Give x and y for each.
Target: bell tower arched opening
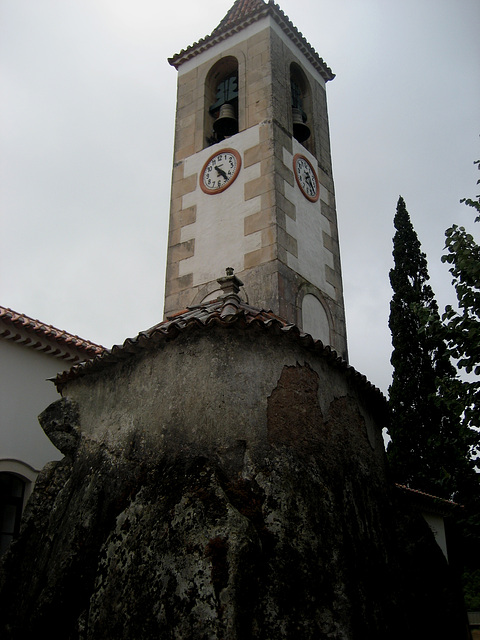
(301, 102)
(221, 101)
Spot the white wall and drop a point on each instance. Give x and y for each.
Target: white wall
(219, 228)
(437, 525)
(24, 394)
(308, 229)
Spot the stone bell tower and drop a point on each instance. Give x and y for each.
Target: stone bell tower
(252, 183)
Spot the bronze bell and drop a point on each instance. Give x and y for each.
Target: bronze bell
(226, 124)
(300, 130)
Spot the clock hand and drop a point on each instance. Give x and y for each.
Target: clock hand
(221, 172)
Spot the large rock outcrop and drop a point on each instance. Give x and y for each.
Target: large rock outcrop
(222, 479)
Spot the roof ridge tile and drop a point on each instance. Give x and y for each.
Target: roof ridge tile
(240, 10)
(206, 316)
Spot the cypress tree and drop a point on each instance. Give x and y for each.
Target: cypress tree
(426, 450)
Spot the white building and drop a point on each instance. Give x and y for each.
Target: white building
(31, 352)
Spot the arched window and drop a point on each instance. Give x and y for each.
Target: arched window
(221, 101)
(12, 495)
(301, 101)
(315, 319)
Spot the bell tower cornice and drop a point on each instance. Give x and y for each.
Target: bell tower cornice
(244, 13)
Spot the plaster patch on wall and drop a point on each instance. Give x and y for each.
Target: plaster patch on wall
(294, 416)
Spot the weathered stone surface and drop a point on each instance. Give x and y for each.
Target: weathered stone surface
(252, 504)
(61, 423)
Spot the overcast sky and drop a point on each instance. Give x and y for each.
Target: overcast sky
(86, 123)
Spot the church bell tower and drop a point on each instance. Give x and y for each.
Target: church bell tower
(252, 184)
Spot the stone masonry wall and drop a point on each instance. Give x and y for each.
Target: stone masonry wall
(228, 484)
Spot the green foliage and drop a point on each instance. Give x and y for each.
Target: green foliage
(462, 335)
(435, 427)
(463, 326)
(471, 589)
(427, 450)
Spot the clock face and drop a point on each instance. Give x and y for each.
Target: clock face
(220, 170)
(306, 177)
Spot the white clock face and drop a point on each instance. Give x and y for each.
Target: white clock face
(306, 178)
(220, 171)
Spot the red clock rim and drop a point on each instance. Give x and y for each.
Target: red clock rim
(308, 197)
(230, 182)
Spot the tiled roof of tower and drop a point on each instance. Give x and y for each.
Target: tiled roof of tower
(241, 9)
(44, 337)
(229, 312)
(244, 13)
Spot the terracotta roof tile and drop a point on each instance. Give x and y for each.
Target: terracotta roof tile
(229, 312)
(33, 333)
(241, 9)
(244, 13)
(433, 503)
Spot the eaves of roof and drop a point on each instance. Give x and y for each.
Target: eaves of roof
(427, 502)
(34, 334)
(228, 312)
(241, 15)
